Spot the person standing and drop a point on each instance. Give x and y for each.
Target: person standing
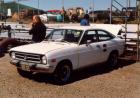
(85, 20)
(38, 30)
(2, 27)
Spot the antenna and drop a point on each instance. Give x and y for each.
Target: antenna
(129, 3)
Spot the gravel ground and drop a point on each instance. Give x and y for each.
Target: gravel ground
(99, 82)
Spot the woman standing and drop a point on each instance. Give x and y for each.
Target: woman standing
(38, 29)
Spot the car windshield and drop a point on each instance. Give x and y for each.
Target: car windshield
(65, 35)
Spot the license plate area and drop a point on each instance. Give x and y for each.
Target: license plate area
(25, 67)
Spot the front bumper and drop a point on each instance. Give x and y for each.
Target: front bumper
(33, 67)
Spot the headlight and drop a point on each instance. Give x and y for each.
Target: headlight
(13, 56)
(44, 60)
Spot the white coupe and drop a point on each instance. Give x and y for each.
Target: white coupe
(69, 48)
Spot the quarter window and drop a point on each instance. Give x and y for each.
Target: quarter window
(104, 36)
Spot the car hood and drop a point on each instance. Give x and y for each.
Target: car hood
(42, 48)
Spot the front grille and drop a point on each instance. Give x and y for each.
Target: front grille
(28, 57)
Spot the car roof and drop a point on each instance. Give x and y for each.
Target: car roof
(77, 27)
(114, 29)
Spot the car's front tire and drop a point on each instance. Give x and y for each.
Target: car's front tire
(63, 72)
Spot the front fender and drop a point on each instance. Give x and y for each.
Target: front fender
(70, 54)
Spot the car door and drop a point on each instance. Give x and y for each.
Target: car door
(89, 50)
(106, 44)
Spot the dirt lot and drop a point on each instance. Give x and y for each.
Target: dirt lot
(99, 82)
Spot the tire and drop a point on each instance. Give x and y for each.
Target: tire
(23, 73)
(113, 59)
(63, 73)
(1, 50)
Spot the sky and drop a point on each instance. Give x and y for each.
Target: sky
(86, 4)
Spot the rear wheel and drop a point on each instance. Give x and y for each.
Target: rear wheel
(1, 51)
(63, 72)
(113, 59)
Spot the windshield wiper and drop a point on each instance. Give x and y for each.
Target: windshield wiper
(55, 40)
(66, 41)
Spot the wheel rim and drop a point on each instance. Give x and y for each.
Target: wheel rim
(64, 73)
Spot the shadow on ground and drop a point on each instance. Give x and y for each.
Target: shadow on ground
(81, 74)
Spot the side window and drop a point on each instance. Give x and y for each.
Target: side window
(89, 36)
(73, 35)
(104, 36)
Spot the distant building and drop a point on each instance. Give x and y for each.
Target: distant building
(76, 10)
(99, 14)
(19, 9)
(75, 14)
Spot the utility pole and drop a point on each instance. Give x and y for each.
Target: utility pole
(138, 32)
(138, 7)
(38, 7)
(93, 10)
(63, 9)
(62, 3)
(111, 11)
(129, 3)
(1, 8)
(18, 11)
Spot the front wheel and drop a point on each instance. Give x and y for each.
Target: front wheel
(113, 59)
(63, 73)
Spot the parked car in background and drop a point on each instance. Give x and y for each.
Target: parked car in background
(69, 48)
(52, 16)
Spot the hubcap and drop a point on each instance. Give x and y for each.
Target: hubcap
(65, 73)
